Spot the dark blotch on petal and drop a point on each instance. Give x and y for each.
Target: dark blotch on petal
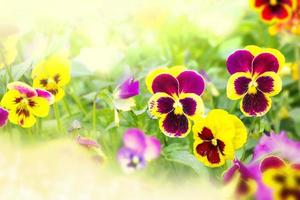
(56, 78)
(206, 134)
(265, 84)
(191, 82)
(241, 85)
(255, 103)
(165, 83)
(176, 125)
(278, 11)
(165, 105)
(44, 82)
(189, 106)
(239, 61)
(210, 151)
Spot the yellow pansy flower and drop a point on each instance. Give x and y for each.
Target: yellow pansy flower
(52, 75)
(24, 103)
(217, 136)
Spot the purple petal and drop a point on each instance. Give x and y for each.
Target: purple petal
(175, 125)
(243, 170)
(45, 94)
(191, 82)
(130, 160)
(239, 61)
(129, 89)
(228, 175)
(165, 105)
(277, 144)
(265, 62)
(271, 162)
(23, 88)
(165, 83)
(189, 106)
(153, 148)
(135, 139)
(255, 104)
(250, 171)
(3, 117)
(241, 85)
(87, 142)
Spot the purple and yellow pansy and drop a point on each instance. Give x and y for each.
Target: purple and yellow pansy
(281, 177)
(272, 151)
(274, 10)
(25, 103)
(176, 99)
(52, 74)
(217, 136)
(254, 78)
(242, 179)
(138, 149)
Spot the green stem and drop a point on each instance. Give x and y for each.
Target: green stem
(297, 60)
(95, 112)
(77, 101)
(66, 105)
(57, 116)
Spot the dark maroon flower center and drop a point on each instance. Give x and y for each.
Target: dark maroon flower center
(210, 147)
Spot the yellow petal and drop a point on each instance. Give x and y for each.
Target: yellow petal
(231, 90)
(41, 107)
(153, 104)
(21, 120)
(8, 100)
(240, 136)
(277, 83)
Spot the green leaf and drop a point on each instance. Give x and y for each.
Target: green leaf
(186, 158)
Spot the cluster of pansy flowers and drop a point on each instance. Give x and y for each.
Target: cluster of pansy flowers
(282, 15)
(273, 172)
(22, 103)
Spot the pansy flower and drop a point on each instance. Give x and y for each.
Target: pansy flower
(242, 179)
(25, 103)
(138, 149)
(274, 10)
(274, 145)
(217, 136)
(176, 99)
(123, 96)
(3, 117)
(254, 78)
(292, 25)
(281, 177)
(52, 75)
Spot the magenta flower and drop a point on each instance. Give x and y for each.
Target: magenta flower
(176, 99)
(128, 88)
(279, 145)
(254, 78)
(123, 96)
(138, 149)
(3, 117)
(275, 145)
